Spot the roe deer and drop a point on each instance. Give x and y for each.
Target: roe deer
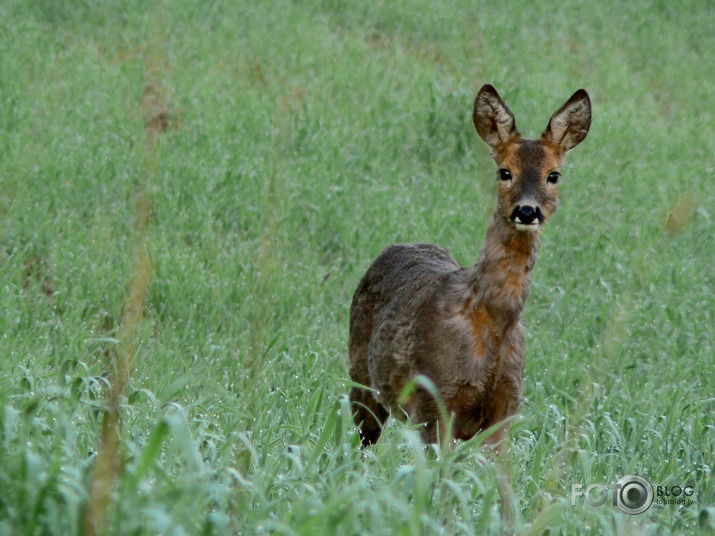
(417, 312)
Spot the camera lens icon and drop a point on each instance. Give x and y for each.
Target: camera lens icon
(634, 495)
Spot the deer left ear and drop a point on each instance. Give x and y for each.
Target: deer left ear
(569, 125)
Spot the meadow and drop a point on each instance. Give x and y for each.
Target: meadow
(240, 164)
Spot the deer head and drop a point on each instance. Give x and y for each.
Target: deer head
(528, 170)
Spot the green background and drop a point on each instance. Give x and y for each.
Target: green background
(302, 138)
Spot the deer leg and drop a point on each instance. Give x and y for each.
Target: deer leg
(369, 415)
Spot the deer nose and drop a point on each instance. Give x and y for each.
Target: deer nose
(526, 214)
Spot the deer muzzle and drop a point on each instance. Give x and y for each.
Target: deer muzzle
(527, 217)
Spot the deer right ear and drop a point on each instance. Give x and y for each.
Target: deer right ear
(492, 118)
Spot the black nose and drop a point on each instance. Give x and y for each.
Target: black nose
(526, 214)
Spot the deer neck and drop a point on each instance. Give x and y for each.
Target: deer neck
(501, 278)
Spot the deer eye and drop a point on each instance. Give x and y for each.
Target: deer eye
(505, 174)
(553, 177)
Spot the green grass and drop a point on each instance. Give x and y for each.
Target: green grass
(303, 138)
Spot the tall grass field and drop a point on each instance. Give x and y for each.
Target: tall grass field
(190, 192)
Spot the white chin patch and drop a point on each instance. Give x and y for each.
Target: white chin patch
(531, 227)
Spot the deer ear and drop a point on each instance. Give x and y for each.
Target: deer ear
(569, 125)
(493, 118)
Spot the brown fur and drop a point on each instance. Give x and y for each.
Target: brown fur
(417, 312)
